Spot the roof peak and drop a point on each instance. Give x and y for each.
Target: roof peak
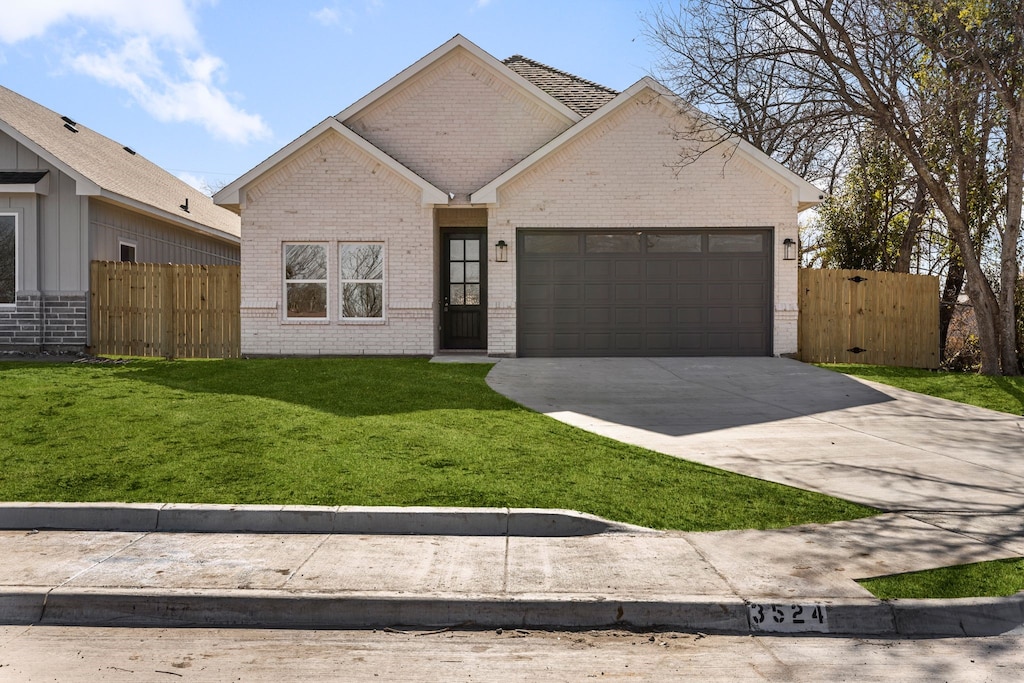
(534, 62)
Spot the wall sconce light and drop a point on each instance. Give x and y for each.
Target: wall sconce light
(501, 251)
(788, 249)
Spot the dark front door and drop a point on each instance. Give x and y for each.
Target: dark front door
(464, 290)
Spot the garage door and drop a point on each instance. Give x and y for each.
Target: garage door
(644, 293)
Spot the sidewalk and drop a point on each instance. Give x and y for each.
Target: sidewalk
(149, 565)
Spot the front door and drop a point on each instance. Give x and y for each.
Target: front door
(464, 289)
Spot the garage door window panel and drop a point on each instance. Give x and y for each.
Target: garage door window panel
(725, 242)
(613, 244)
(674, 244)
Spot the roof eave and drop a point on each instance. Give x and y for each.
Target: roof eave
(488, 194)
(83, 184)
(458, 41)
(187, 223)
(805, 195)
(233, 195)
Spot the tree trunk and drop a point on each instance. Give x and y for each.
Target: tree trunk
(1009, 269)
(950, 294)
(913, 229)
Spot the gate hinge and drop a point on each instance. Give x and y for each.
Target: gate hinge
(857, 279)
(856, 349)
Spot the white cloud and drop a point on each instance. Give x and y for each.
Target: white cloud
(165, 18)
(195, 181)
(160, 61)
(326, 16)
(193, 99)
(482, 3)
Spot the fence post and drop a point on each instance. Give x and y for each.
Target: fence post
(168, 302)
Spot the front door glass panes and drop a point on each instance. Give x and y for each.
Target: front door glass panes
(8, 255)
(464, 272)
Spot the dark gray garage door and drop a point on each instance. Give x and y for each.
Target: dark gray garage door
(644, 293)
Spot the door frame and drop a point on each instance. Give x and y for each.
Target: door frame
(444, 284)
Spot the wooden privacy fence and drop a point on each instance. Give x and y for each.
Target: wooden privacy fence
(174, 311)
(861, 316)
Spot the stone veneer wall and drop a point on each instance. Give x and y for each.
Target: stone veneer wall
(47, 321)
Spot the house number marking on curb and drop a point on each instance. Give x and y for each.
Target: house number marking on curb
(788, 618)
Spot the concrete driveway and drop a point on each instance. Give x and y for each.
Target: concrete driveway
(796, 424)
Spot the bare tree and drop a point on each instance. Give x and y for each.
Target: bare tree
(908, 70)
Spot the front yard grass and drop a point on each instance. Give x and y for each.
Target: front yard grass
(347, 432)
(997, 578)
(1005, 394)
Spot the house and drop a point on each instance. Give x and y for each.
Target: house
(511, 208)
(68, 196)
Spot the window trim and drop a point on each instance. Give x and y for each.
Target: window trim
(121, 243)
(17, 261)
(342, 281)
(326, 281)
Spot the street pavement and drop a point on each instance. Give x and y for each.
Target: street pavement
(949, 476)
(47, 653)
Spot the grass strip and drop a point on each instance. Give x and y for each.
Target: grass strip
(996, 578)
(1005, 394)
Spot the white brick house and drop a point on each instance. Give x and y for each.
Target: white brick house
(514, 209)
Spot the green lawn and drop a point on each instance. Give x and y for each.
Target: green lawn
(347, 432)
(979, 580)
(1005, 394)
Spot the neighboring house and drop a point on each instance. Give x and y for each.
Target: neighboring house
(68, 196)
(514, 209)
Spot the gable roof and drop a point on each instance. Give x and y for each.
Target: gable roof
(582, 96)
(231, 194)
(805, 195)
(456, 43)
(104, 168)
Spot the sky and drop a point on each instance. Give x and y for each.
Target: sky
(207, 89)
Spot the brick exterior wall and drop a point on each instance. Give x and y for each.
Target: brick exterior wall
(458, 125)
(48, 321)
(625, 172)
(331, 192)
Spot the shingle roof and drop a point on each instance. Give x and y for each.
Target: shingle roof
(582, 96)
(118, 172)
(21, 177)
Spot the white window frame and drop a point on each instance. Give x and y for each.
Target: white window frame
(128, 243)
(17, 261)
(342, 281)
(325, 282)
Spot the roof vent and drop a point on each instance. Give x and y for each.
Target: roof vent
(65, 119)
(184, 207)
(71, 127)
(129, 150)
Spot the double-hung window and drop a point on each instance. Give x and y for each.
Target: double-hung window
(305, 281)
(362, 281)
(8, 257)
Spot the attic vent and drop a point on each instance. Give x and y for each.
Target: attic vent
(184, 207)
(68, 121)
(129, 150)
(71, 127)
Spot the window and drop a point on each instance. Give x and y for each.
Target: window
(8, 257)
(305, 281)
(127, 251)
(362, 281)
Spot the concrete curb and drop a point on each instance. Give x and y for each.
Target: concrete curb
(282, 609)
(297, 519)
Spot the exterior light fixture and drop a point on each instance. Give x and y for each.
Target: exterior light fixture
(501, 251)
(788, 249)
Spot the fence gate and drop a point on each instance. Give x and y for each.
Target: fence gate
(174, 311)
(859, 316)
